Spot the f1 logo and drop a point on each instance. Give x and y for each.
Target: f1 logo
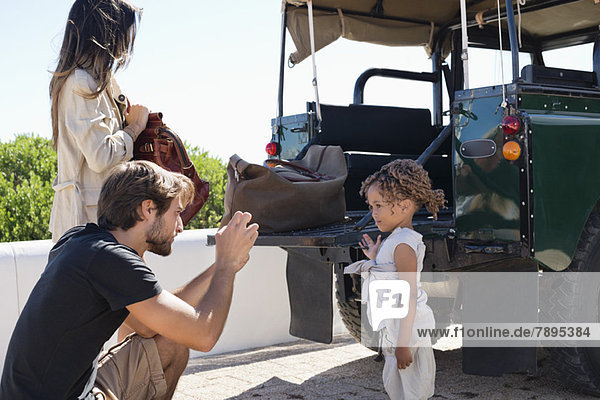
(389, 300)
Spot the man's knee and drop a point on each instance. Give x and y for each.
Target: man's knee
(172, 354)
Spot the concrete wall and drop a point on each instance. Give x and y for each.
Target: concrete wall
(259, 315)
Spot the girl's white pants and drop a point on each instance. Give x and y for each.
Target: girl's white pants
(413, 383)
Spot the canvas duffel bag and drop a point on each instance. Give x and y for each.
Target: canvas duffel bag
(284, 196)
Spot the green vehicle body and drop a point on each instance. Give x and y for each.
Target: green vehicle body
(543, 199)
(566, 178)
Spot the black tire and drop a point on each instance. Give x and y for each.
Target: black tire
(351, 311)
(578, 367)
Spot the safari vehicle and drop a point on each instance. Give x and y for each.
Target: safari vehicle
(519, 162)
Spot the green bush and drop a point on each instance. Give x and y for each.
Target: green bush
(28, 168)
(213, 170)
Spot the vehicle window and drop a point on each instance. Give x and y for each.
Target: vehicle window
(399, 93)
(485, 66)
(342, 62)
(575, 57)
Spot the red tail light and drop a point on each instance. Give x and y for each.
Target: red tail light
(272, 148)
(511, 125)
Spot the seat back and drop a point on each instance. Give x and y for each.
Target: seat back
(559, 77)
(376, 129)
(365, 132)
(360, 166)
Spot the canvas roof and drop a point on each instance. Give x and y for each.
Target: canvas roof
(419, 22)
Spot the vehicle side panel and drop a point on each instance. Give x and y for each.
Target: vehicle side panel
(566, 182)
(487, 186)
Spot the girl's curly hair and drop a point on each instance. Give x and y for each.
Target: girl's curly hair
(405, 179)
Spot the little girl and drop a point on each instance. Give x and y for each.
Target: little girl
(394, 194)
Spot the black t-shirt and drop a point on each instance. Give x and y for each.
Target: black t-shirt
(75, 307)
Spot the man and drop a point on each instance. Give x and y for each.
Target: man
(96, 279)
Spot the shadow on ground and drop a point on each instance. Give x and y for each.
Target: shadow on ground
(246, 357)
(361, 379)
(358, 379)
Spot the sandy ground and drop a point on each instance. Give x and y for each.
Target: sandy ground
(346, 370)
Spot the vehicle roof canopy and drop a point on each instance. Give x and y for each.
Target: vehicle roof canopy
(545, 24)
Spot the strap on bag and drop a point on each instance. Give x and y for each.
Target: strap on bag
(305, 174)
(308, 175)
(239, 166)
(177, 143)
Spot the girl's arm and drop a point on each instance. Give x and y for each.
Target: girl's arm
(406, 264)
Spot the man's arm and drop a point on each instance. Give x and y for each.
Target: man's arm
(198, 317)
(196, 327)
(192, 293)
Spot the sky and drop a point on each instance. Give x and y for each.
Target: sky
(212, 68)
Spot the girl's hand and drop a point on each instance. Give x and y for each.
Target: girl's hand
(137, 119)
(369, 247)
(403, 357)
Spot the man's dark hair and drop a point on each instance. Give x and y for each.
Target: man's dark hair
(130, 183)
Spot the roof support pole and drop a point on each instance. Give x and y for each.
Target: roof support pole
(464, 55)
(436, 62)
(514, 41)
(311, 31)
(282, 63)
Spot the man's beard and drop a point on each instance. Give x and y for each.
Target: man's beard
(159, 242)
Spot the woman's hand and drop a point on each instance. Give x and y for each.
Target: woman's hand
(403, 357)
(369, 247)
(136, 119)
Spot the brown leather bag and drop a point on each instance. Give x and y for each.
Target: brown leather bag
(162, 146)
(289, 196)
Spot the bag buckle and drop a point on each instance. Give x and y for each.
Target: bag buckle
(147, 148)
(236, 172)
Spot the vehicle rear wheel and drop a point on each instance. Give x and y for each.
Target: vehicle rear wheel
(579, 367)
(351, 310)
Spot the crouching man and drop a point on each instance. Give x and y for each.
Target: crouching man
(96, 279)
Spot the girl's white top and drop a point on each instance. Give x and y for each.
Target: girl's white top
(90, 142)
(383, 267)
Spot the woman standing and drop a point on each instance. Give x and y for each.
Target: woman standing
(93, 127)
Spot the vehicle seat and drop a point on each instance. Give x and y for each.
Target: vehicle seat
(566, 77)
(559, 77)
(372, 136)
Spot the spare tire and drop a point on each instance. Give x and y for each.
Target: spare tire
(579, 367)
(351, 310)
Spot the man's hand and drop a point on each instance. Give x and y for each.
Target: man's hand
(234, 241)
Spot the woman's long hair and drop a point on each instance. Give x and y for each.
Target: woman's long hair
(99, 38)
